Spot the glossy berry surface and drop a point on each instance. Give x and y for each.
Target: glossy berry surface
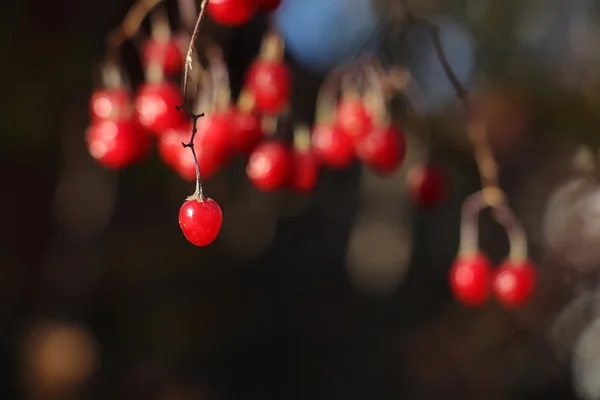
(155, 105)
(332, 146)
(270, 83)
(305, 171)
(353, 118)
(427, 185)
(117, 144)
(246, 131)
(164, 52)
(110, 104)
(514, 282)
(269, 165)
(269, 5)
(200, 220)
(383, 150)
(231, 12)
(470, 279)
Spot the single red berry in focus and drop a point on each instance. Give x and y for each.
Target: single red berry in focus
(332, 146)
(353, 118)
(155, 104)
(470, 279)
(269, 165)
(427, 185)
(110, 104)
(270, 83)
(269, 5)
(383, 150)
(514, 282)
(165, 52)
(246, 131)
(200, 220)
(305, 171)
(231, 12)
(117, 144)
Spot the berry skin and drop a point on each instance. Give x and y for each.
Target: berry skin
(167, 53)
(427, 185)
(155, 104)
(246, 131)
(470, 279)
(353, 118)
(269, 5)
(231, 12)
(110, 104)
(117, 144)
(200, 220)
(270, 83)
(514, 282)
(269, 166)
(332, 146)
(305, 171)
(383, 150)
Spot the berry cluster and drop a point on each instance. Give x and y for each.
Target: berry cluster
(472, 277)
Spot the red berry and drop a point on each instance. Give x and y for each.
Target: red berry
(353, 118)
(169, 144)
(383, 150)
(269, 5)
(155, 104)
(110, 104)
(165, 52)
(270, 83)
(305, 171)
(117, 144)
(231, 12)
(427, 185)
(200, 220)
(332, 146)
(269, 165)
(246, 131)
(514, 282)
(470, 279)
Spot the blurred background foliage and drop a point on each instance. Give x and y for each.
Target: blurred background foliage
(342, 294)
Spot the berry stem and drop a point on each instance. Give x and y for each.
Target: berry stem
(198, 193)
(469, 224)
(516, 234)
(327, 98)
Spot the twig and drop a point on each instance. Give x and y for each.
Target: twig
(198, 193)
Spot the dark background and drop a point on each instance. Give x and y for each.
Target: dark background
(272, 310)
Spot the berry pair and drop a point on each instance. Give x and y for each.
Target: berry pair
(472, 278)
(238, 12)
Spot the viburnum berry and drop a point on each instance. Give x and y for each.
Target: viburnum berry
(117, 144)
(246, 130)
(200, 220)
(155, 104)
(269, 5)
(353, 118)
(470, 278)
(427, 185)
(110, 104)
(270, 84)
(332, 146)
(305, 171)
(166, 53)
(269, 165)
(383, 150)
(514, 282)
(231, 12)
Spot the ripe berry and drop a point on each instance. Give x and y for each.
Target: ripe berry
(427, 185)
(169, 145)
(269, 165)
(470, 279)
(246, 131)
(332, 146)
(269, 5)
(117, 144)
(514, 282)
(353, 118)
(200, 220)
(231, 12)
(270, 83)
(305, 171)
(110, 104)
(383, 150)
(155, 104)
(165, 52)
